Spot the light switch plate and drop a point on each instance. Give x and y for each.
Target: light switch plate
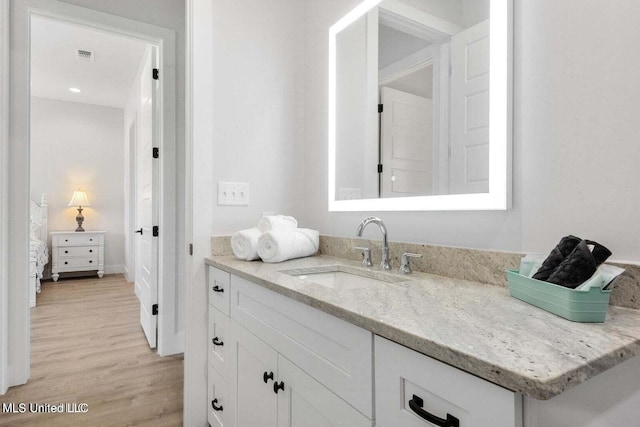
(233, 193)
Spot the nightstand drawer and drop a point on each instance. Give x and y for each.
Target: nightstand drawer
(78, 251)
(91, 263)
(77, 240)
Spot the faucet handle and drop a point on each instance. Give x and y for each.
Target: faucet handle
(366, 256)
(405, 266)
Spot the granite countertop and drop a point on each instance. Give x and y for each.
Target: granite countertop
(472, 326)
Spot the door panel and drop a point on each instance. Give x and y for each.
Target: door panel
(407, 144)
(146, 281)
(469, 162)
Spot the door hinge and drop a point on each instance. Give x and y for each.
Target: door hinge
(156, 74)
(190, 248)
(155, 231)
(156, 152)
(380, 108)
(379, 168)
(154, 309)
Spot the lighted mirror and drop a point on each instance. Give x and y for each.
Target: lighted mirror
(419, 106)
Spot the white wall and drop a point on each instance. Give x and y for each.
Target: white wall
(258, 50)
(575, 135)
(80, 145)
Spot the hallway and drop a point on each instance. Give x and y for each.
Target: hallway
(87, 346)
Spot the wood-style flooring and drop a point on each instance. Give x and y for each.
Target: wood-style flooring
(87, 346)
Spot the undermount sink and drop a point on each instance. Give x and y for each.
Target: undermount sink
(342, 277)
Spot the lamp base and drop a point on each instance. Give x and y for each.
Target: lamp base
(80, 219)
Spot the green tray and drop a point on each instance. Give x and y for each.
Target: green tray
(586, 306)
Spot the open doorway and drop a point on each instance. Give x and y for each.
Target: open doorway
(170, 337)
(91, 106)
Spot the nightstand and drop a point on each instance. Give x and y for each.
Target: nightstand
(77, 251)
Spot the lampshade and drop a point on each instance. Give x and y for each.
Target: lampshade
(79, 199)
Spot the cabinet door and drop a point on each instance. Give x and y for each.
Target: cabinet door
(220, 401)
(256, 401)
(306, 402)
(220, 344)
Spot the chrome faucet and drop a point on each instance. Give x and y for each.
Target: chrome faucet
(384, 264)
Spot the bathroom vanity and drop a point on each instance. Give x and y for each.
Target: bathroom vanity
(300, 341)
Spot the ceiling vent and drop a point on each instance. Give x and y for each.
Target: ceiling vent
(85, 55)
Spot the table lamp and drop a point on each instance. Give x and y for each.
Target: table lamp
(79, 199)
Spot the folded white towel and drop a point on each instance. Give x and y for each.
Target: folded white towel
(244, 244)
(281, 245)
(277, 222)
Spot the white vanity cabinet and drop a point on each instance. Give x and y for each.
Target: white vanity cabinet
(274, 361)
(412, 388)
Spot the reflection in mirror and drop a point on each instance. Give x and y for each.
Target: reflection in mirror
(413, 100)
(412, 97)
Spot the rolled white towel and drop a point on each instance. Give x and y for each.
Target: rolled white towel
(281, 245)
(244, 244)
(277, 222)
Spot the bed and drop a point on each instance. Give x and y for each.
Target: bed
(39, 251)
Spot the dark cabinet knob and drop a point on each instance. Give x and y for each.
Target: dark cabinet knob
(66, 263)
(216, 341)
(217, 288)
(90, 261)
(215, 406)
(66, 240)
(266, 377)
(91, 240)
(278, 386)
(90, 250)
(66, 252)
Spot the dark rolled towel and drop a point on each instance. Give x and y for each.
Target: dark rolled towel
(600, 253)
(558, 254)
(576, 268)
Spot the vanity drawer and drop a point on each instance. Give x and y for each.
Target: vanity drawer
(403, 375)
(219, 395)
(78, 251)
(219, 290)
(220, 343)
(334, 352)
(78, 239)
(88, 263)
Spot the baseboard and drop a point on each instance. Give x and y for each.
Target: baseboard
(127, 275)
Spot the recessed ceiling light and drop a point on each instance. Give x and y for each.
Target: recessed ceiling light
(74, 90)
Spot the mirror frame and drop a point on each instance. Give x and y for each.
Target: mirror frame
(500, 125)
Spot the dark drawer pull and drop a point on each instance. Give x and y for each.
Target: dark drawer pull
(90, 250)
(90, 261)
(215, 341)
(66, 252)
(266, 377)
(214, 406)
(91, 240)
(278, 386)
(217, 288)
(65, 263)
(416, 404)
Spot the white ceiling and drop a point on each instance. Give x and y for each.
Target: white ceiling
(55, 67)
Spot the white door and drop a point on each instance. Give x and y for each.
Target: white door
(406, 144)
(305, 402)
(469, 154)
(146, 280)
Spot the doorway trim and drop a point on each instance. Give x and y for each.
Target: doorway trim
(18, 319)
